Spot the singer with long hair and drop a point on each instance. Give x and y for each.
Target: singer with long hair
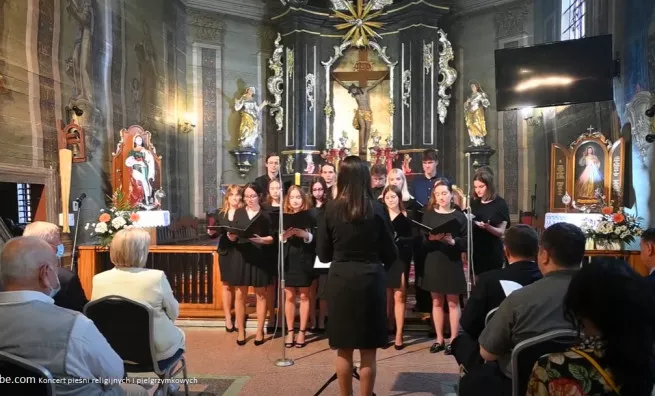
(299, 255)
(227, 250)
(443, 275)
(320, 195)
(254, 266)
(354, 234)
(398, 273)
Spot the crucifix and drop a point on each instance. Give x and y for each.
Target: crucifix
(363, 115)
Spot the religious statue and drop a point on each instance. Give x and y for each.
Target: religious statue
(249, 128)
(78, 66)
(363, 118)
(591, 177)
(406, 167)
(141, 163)
(474, 114)
(309, 160)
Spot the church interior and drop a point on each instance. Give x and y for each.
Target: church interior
(156, 107)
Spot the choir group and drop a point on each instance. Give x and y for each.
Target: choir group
(247, 229)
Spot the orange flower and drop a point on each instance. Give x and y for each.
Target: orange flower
(618, 218)
(105, 217)
(134, 217)
(607, 210)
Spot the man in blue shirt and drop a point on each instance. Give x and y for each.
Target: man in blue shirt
(422, 185)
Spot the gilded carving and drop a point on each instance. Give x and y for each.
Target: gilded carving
(448, 74)
(310, 83)
(428, 57)
(274, 83)
(407, 87)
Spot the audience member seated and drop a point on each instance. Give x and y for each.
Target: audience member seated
(648, 253)
(613, 306)
(63, 341)
(129, 252)
(532, 310)
(521, 243)
(71, 295)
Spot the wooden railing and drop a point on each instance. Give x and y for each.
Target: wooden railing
(191, 270)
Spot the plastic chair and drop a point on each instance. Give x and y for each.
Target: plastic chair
(39, 378)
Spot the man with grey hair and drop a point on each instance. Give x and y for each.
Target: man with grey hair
(71, 295)
(65, 342)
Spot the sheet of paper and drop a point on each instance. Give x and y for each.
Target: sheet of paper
(319, 264)
(509, 286)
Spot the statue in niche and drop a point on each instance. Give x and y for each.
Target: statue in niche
(363, 118)
(78, 66)
(309, 160)
(141, 163)
(148, 73)
(249, 127)
(474, 114)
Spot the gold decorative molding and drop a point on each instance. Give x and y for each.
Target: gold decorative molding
(291, 152)
(416, 25)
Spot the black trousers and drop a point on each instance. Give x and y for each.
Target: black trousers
(487, 380)
(467, 351)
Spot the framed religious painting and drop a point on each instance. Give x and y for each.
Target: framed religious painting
(560, 178)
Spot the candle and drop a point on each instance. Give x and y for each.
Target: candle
(297, 179)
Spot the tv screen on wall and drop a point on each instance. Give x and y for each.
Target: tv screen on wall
(567, 72)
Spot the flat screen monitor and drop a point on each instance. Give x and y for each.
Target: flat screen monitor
(567, 72)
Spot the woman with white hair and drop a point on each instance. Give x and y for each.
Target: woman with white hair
(129, 252)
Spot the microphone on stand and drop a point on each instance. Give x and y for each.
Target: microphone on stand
(284, 361)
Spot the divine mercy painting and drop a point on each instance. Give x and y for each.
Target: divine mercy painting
(589, 169)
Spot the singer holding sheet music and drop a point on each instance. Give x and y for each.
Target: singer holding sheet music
(299, 258)
(320, 195)
(443, 275)
(398, 273)
(491, 220)
(254, 263)
(227, 251)
(355, 235)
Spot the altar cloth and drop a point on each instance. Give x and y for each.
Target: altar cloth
(153, 218)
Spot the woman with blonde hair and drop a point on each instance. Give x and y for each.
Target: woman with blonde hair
(227, 249)
(299, 255)
(130, 279)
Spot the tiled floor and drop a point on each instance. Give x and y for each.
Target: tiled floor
(412, 371)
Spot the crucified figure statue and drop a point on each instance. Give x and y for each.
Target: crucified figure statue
(363, 116)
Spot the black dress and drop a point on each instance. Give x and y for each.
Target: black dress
(404, 238)
(299, 259)
(227, 250)
(272, 249)
(443, 272)
(253, 264)
(320, 273)
(488, 251)
(356, 293)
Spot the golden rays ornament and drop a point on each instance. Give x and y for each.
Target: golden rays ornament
(359, 23)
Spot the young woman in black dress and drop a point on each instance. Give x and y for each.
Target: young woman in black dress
(227, 249)
(355, 235)
(272, 207)
(397, 178)
(443, 275)
(398, 273)
(299, 255)
(489, 224)
(320, 196)
(254, 264)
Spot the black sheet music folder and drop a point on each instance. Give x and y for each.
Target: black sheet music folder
(452, 226)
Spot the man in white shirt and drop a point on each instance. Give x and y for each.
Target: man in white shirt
(65, 342)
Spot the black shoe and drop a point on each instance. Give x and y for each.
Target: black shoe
(230, 330)
(437, 347)
(448, 350)
(399, 347)
(259, 342)
(292, 343)
(301, 344)
(241, 342)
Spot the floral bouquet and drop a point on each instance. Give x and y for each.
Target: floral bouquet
(120, 215)
(615, 226)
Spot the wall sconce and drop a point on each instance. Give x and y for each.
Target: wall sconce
(532, 118)
(187, 123)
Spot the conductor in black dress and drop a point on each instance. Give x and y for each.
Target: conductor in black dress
(355, 235)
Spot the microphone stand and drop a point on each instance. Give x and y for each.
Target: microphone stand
(284, 361)
(77, 228)
(470, 273)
